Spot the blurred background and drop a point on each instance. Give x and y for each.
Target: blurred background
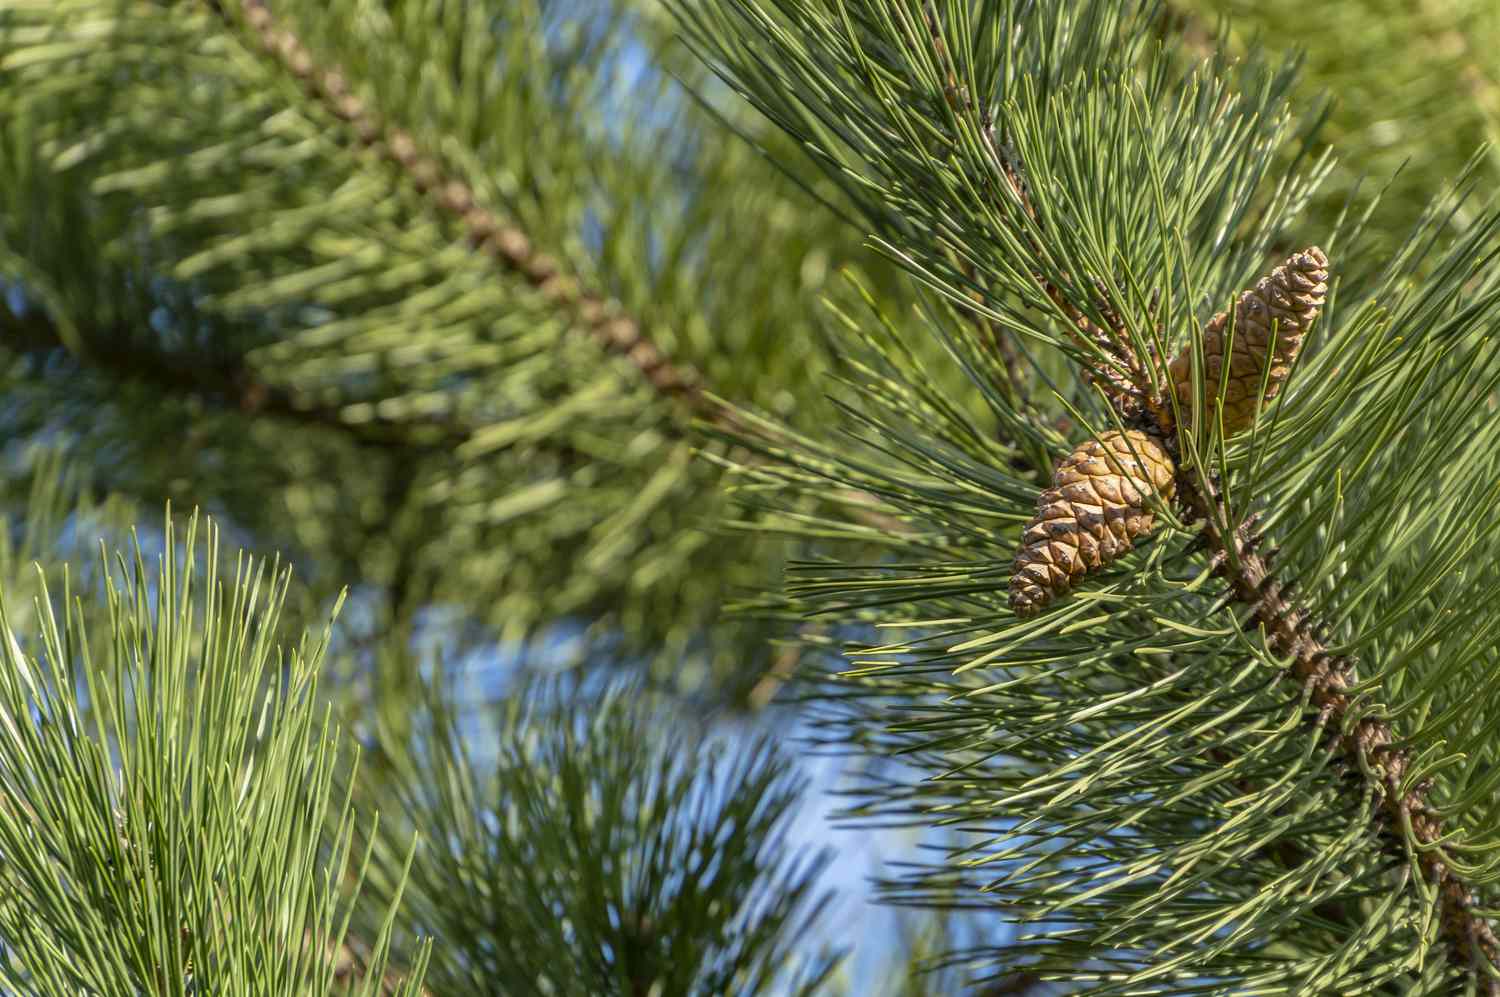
(449, 335)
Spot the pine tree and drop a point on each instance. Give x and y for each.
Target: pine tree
(1140, 558)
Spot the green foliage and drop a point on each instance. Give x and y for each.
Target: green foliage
(1132, 773)
(222, 288)
(276, 323)
(174, 796)
(1412, 90)
(164, 791)
(1146, 170)
(575, 842)
(639, 859)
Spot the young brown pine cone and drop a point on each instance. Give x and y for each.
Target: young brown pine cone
(1098, 504)
(1289, 298)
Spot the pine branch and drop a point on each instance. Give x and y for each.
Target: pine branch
(586, 852)
(319, 267)
(170, 830)
(1368, 744)
(1268, 332)
(1142, 173)
(224, 381)
(351, 958)
(502, 242)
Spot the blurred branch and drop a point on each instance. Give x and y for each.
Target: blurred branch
(1014, 985)
(226, 382)
(505, 243)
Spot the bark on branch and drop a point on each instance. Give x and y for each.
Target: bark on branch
(1367, 743)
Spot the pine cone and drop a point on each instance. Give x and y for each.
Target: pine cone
(1097, 505)
(1290, 297)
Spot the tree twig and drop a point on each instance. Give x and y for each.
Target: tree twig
(1366, 742)
(501, 241)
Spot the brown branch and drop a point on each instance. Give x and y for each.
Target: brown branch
(1181, 23)
(505, 243)
(227, 382)
(1367, 743)
(1013, 985)
(783, 669)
